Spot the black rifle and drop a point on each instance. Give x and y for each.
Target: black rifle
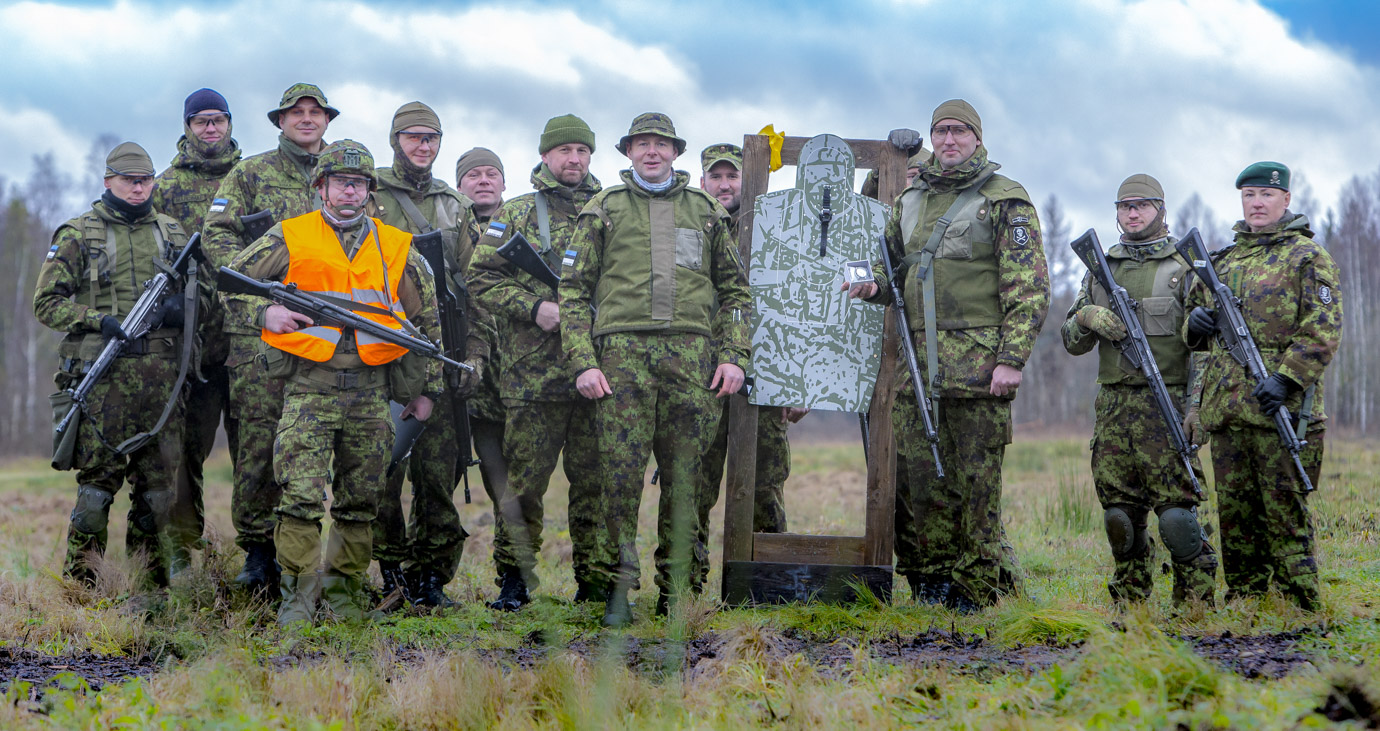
(521, 254)
(256, 225)
(140, 320)
(825, 216)
(455, 331)
(1236, 338)
(329, 314)
(1136, 348)
(903, 331)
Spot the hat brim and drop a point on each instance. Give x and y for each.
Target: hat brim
(331, 112)
(623, 143)
(711, 162)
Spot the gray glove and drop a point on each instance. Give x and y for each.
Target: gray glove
(905, 139)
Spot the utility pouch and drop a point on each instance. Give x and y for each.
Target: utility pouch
(277, 363)
(64, 444)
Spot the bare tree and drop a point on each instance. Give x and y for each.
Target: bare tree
(95, 163)
(1196, 213)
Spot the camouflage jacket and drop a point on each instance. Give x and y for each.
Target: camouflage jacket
(534, 366)
(967, 356)
(279, 181)
(689, 260)
(1290, 297)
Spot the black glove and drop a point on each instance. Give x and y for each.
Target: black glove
(1202, 324)
(171, 307)
(1271, 392)
(110, 328)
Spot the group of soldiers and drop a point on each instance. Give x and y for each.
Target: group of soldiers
(629, 353)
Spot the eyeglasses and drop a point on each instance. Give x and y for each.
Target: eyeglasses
(959, 131)
(1144, 204)
(341, 183)
(137, 180)
(421, 138)
(202, 121)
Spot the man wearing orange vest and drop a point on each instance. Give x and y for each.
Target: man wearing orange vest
(335, 419)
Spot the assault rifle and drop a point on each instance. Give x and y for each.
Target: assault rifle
(1135, 347)
(521, 254)
(1236, 338)
(455, 332)
(256, 225)
(332, 312)
(142, 318)
(903, 331)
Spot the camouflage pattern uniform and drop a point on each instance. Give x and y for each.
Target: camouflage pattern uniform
(545, 416)
(1290, 298)
(437, 540)
(959, 536)
(1135, 468)
(118, 254)
(487, 417)
(655, 345)
(184, 192)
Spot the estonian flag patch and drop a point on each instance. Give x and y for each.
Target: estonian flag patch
(496, 229)
(569, 259)
(218, 205)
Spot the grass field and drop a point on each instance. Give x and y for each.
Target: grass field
(1060, 657)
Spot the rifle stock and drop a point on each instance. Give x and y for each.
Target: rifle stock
(521, 254)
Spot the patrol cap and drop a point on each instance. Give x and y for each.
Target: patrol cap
(652, 123)
(302, 91)
(960, 110)
(1140, 187)
(344, 156)
(1264, 175)
(478, 157)
(564, 130)
(128, 159)
(722, 152)
(202, 100)
(415, 114)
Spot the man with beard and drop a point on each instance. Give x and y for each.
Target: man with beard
(205, 154)
(278, 181)
(422, 559)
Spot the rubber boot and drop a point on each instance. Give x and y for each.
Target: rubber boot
(513, 595)
(617, 610)
(299, 596)
(261, 571)
(431, 591)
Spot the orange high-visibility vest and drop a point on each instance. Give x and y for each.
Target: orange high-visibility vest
(317, 264)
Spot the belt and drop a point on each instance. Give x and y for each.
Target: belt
(345, 380)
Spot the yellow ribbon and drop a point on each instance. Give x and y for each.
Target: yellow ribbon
(776, 140)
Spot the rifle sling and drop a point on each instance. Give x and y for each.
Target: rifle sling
(414, 214)
(543, 224)
(1306, 411)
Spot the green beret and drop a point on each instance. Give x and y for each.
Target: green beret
(477, 158)
(652, 123)
(1140, 187)
(960, 110)
(415, 114)
(302, 91)
(722, 152)
(130, 160)
(564, 130)
(1264, 175)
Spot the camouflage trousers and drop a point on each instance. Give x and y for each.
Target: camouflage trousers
(341, 439)
(662, 406)
(1267, 531)
(536, 433)
(256, 402)
(431, 539)
(205, 404)
(126, 402)
(958, 532)
(493, 472)
(1135, 468)
(773, 467)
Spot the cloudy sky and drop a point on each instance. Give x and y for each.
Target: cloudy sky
(1075, 94)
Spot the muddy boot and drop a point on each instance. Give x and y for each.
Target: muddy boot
(179, 560)
(260, 572)
(431, 592)
(958, 600)
(617, 610)
(929, 588)
(513, 595)
(663, 603)
(395, 580)
(588, 591)
(299, 594)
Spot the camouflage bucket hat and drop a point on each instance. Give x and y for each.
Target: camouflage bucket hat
(1264, 175)
(128, 159)
(302, 91)
(722, 152)
(1140, 187)
(652, 123)
(344, 156)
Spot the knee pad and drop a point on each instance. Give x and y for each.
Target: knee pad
(1125, 537)
(156, 503)
(92, 512)
(1181, 533)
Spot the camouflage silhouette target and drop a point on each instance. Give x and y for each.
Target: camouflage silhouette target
(811, 345)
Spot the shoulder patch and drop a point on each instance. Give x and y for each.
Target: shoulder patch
(52, 252)
(570, 256)
(1019, 220)
(1019, 236)
(1324, 292)
(496, 229)
(218, 205)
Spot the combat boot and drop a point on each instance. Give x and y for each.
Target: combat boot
(395, 580)
(513, 594)
(299, 594)
(260, 572)
(617, 610)
(588, 591)
(958, 600)
(430, 592)
(929, 588)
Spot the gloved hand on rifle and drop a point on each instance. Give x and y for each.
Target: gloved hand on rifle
(1273, 391)
(1202, 324)
(110, 328)
(467, 382)
(1100, 320)
(1193, 426)
(171, 307)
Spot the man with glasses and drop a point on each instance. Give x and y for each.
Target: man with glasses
(93, 274)
(967, 245)
(422, 558)
(1135, 468)
(205, 154)
(335, 429)
(279, 182)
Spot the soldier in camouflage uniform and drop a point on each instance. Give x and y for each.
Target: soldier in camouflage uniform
(278, 181)
(545, 416)
(423, 560)
(976, 292)
(1288, 287)
(1135, 468)
(205, 153)
(92, 276)
(651, 282)
(721, 177)
(335, 428)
